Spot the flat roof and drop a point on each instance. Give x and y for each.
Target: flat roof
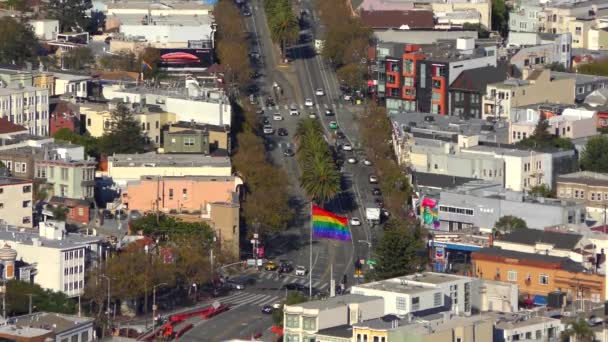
(341, 331)
(20, 89)
(71, 77)
(579, 78)
(334, 302)
(508, 321)
(13, 181)
(167, 20)
(25, 237)
(216, 95)
(164, 160)
(177, 5)
(50, 321)
(586, 177)
(412, 284)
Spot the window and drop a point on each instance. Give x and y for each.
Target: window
(188, 141)
(376, 339)
(422, 76)
(539, 334)
(84, 337)
(436, 96)
(437, 299)
(512, 275)
(593, 196)
(292, 321)
(408, 81)
(436, 84)
(291, 338)
(543, 279)
(415, 303)
(390, 79)
(65, 271)
(401, 303)
(438, 71)
(528, 335)
(88, 122)
(64, 173)
(26, 220)
(51, 172)
(81, 253)
(170, 194)
(148, 126)
(26, 204)
(309, 323)
(408, 66)
(27, 189)
(157, 124)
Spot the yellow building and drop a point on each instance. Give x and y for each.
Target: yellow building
(97, 119)
(44, 80)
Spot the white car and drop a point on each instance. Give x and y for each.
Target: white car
(294, 112)
(347, 97)
(320, 92)
(352, 160)
(268, 129)
(354, 221)
(347, 147)
(276, 306)
(277, 117)
(300, 270)
(367, 162)
(373, 179)
(312, 115)
(308, 103)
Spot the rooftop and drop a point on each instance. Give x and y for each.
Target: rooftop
(423, 179)
(13, 181)
(19, 89)
(579, 78)
(72, 77)
(166, 5)
(27, 237)
(387, 19)
(563, 262)
(380, 5)
(477, 79)
(200, 126)
(211, 95)
(585, 177)
(531, 237)
(343, 331)
(509, 321)
(167, 160)
(445, 51)
(7, 127)
(412, 284)
(166, 20)
(334, 302)
(55, 322)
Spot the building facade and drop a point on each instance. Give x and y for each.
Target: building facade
(27, 106)
(16, 202)
(585, 187)
(67, 172)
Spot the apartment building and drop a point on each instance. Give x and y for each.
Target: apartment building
(426, 292)
(166, 8)
(558, 244)
(201, 105)
(212, 138)
(538, 274)
(45, 29)
(57, 260)
(72, 85)
(302, 321)
(524, 16)
(481, 204)
(27, 106)
(523, 326)
(129, 167)
(584, 84)
(16, 202)
(469, 88)
(97, 118)
(590, 32)
(557, 17)
(66, 170)
(532, 88)
(41, 326)
(419, 79)
(585, 187)
(534, 49)
(570, 124)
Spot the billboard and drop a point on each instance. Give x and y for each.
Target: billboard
(185, 58)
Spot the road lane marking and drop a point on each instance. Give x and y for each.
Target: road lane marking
(324, 285)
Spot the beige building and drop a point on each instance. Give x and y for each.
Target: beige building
(502, 97)
(556, 18)
(97, 119)
(27, 106)
(590, 188)
(589, 33)
(16, 202)
(129, 167)
(571, 124)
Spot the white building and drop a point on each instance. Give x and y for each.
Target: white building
(38, 326)
(74, 85)
(27, 106)
(60, 259)
(422, 292)
(525, 327)
(165, 8)
(205, 106)
(45, 29)
(16, 200)
(302, 321)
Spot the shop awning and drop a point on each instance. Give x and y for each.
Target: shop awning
(540, 300)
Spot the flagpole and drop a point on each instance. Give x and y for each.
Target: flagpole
(310, 257)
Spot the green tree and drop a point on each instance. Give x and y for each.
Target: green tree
(500, 17)
(557, 66)
(17, 300)
(123, 60)
(397, 253)
(352, 75)
(91, 144)
(594, 157)
(70, 13)
(60, 213)
(78, 58)
(125, 134)
(482, 32)
(578, 331)
(293, 298)
(541, 190)
(284, 29)
(18, 43)
(599, 68)
(509, 223)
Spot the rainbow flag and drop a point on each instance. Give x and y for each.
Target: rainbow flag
(327, 225)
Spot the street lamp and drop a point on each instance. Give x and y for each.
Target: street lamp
(154, 306)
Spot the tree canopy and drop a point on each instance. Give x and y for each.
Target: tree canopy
(599, 68)
(509, 223)
(397, 252)
(594, 157)
(125, 133)
(17, 300)
(18, 43)
(541, 190)
(541, 138)
(70, 13)
(283, 24)
(500, 17)
(78, 58)
(231, 46)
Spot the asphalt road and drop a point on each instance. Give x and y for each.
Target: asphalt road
(311, 73)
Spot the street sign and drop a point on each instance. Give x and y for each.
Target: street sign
(371, 262)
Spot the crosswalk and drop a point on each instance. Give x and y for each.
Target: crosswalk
(250, 298)
(287, 279)
(301, 107)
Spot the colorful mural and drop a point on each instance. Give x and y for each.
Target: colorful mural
(429, 212)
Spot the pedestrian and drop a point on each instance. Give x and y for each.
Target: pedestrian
(281, 91)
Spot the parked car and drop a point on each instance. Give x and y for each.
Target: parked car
(373, 179)
(347, 147)
(354, 221)
(282, 132)
(300, 271)
(367, 162)
(268, 129)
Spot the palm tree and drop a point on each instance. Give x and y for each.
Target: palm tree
(578, 331)
(320, 179)
(284, 29)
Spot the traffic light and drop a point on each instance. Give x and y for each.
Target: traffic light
(358, 264)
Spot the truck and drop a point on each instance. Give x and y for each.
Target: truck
(372, 213)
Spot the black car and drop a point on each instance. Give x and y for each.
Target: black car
(108, 215)
(340, 135)
(121, 214)
(267, 309)
(282, 132)
(294, 287)
(265, 120)
(270, 102)
(379, 202)
(329, 112)
(289, 153)
(285, 268)
(376, 192)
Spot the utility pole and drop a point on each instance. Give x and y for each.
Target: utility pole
(30, 306)
(154, 306)
(109, 296)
